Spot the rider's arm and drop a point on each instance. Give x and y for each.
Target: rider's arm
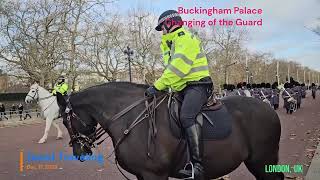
(64, 88)
(54, 91)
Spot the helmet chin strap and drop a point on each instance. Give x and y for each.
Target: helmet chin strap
(168, 25)
(170, 29)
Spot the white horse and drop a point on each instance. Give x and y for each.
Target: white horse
(49, 108)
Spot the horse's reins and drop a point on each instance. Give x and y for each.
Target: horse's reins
(153, 105)
(100, 131)
(138, 119)
(149, 111)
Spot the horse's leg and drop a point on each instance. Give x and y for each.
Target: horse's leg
(257, 168)
(54, 123)
(152, 176)
(46, 131)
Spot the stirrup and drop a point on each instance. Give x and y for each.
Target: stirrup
(192, 170)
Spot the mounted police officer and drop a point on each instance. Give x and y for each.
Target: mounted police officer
(187, 73)
(60, 90)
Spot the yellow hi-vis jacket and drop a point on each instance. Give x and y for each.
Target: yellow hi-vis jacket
(61, 88)
(184, 60)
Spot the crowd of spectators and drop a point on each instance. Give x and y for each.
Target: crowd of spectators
(17, 110)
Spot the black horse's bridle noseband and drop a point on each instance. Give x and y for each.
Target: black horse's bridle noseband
(77, 137)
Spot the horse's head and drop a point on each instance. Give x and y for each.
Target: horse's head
(33, 94)
(82, 130)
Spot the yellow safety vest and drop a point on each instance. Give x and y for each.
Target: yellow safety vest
(61, 88)
(184, 59)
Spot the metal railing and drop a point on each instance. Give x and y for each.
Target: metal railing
(24, 114)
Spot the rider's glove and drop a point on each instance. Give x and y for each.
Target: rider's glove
(151, 91)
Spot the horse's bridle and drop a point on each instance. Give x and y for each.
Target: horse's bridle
(40, 99)
(36, 93)
(89, 141)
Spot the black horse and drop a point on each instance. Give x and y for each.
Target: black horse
(254, 139)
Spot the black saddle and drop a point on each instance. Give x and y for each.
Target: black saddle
(214, 118)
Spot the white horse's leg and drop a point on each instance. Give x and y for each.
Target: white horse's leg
(46, 131)
(54, 123)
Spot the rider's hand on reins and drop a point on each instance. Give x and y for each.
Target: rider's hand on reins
(151, 91)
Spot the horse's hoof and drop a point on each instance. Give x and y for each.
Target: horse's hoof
(58, 138)
(41, 141)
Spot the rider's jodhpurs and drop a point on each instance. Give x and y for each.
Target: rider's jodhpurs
(194, 97)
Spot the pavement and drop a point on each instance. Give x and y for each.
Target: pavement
(15, 122)
(18, 141)
(314, 169)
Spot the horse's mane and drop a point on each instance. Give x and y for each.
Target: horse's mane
(108, 85)
(125, 84)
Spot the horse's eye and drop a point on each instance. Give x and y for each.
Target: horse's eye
(32, 91)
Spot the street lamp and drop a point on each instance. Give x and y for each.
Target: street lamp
(129, 53)
(247, 72)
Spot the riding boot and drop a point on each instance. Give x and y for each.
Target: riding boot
(194, 138)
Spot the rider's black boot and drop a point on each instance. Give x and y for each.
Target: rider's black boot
(194, 138)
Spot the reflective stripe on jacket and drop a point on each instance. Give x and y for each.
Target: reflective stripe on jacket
(184, 59)
(61, 88)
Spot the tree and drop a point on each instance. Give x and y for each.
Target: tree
(77, 19)
(104, 51)
(31, 38)
(145, 41)
(224, 47)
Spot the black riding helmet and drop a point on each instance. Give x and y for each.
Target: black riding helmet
(169, 18)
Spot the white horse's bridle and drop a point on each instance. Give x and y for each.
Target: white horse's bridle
(40, 99)
(37, 93)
